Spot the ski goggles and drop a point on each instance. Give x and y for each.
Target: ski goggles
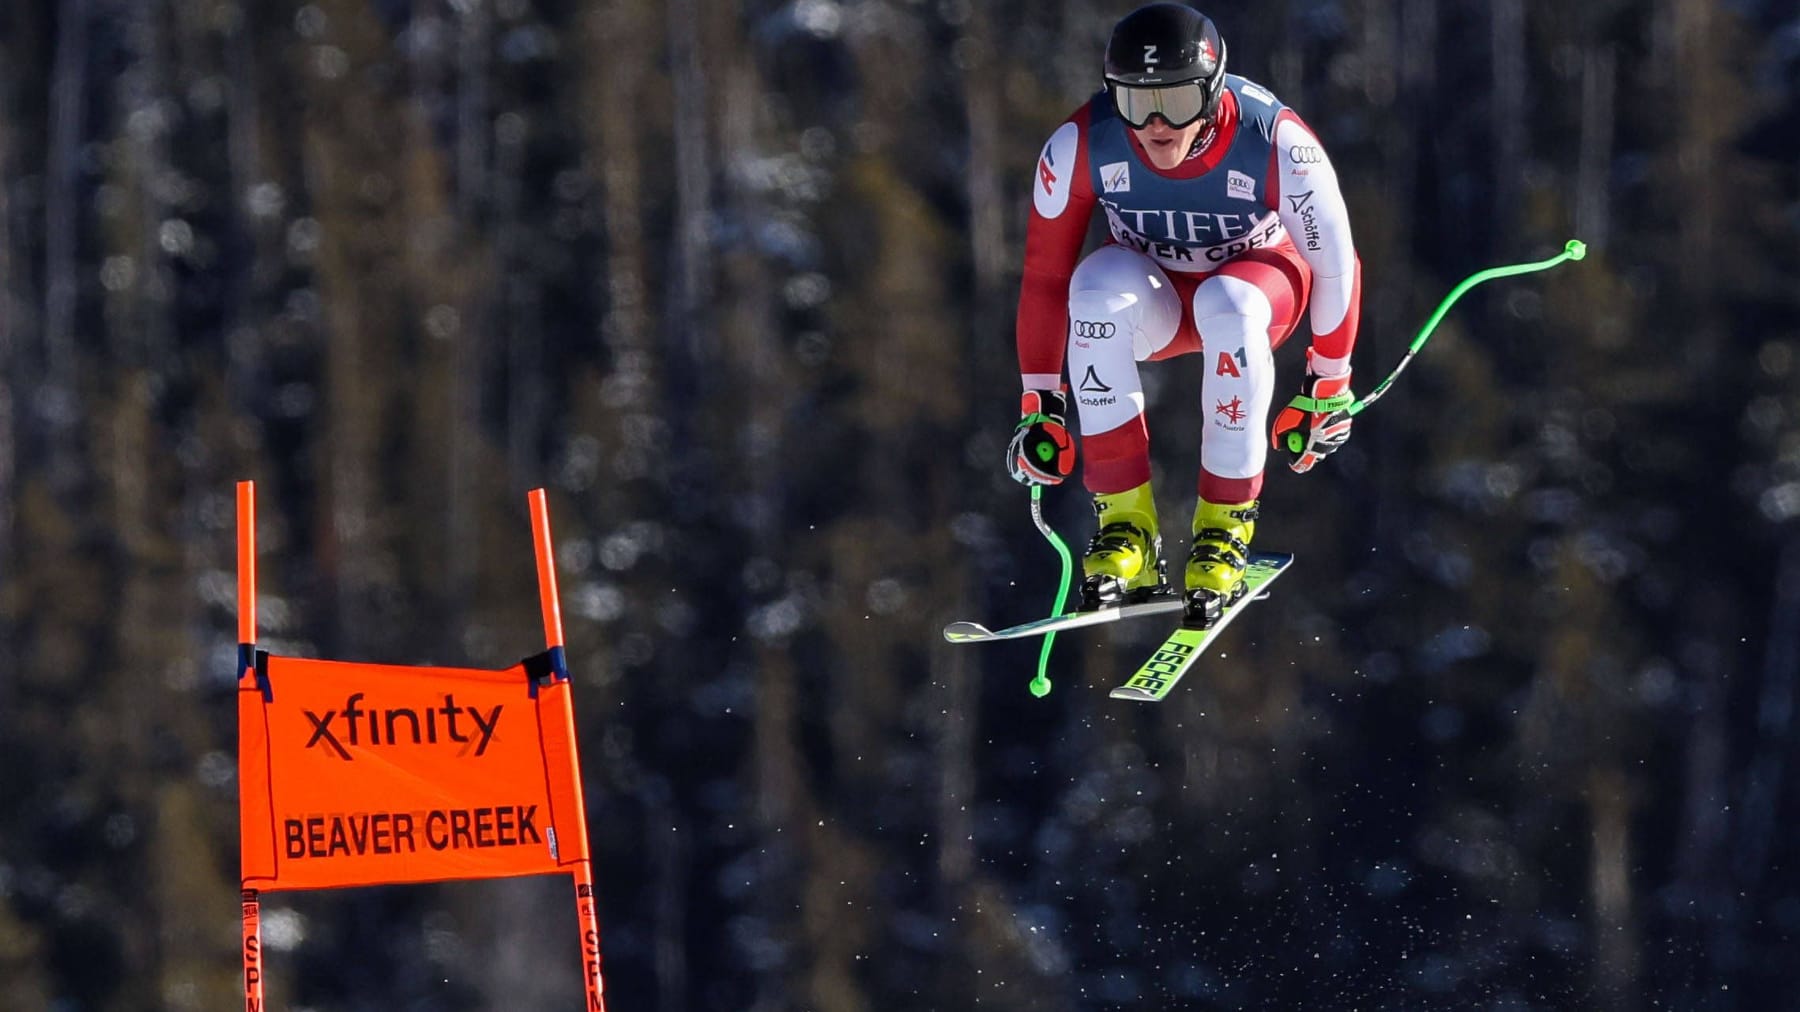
(1177, 104)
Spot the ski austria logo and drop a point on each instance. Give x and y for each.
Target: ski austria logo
(1115, 177)
(1055, 170)
(1239, 185)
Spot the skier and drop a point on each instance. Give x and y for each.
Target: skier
(1225, 219)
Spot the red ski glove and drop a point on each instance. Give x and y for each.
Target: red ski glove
(1042, 452)
(1317, 422)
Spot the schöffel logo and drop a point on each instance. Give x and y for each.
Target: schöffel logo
(1309, 222)
(401, 725)
(1305, 154)
(1091, 383)
(1098, 329)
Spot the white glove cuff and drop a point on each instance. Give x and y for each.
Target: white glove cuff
(1329, 368)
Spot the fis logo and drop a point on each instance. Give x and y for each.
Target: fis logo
(1115, 177)
(365, 728)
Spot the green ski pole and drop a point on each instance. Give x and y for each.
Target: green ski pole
(1040, 685)
(1574, 249)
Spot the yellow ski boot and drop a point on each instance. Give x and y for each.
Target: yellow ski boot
(1215, 565)
(1124, 563)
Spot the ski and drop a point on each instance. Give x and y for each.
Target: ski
(975, 632)
(1153, 680)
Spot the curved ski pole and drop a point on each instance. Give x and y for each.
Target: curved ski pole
(1574, 249)
(1040, 685)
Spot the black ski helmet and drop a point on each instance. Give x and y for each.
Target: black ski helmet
(1164, 44)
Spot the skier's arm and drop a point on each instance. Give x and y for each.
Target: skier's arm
(1062, 201)
(1312, 209)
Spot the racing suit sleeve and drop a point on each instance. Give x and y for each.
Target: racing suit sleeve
(1062, 202)
(1312, 209)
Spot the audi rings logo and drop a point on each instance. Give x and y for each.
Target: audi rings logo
(1305, 154)
(1097, 329)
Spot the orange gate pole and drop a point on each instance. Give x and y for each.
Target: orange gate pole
(246, 609)
(587, 917)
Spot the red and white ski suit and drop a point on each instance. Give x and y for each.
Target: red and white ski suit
(1218, 255)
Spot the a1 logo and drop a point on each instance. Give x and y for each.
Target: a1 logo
(1230, 363)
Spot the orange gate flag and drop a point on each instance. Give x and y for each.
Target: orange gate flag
(368, 774)
(363, 774)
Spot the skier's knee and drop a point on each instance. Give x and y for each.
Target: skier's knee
(1229, 296)
(1100, 305)
(1113, 269)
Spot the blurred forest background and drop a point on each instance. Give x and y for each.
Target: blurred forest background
(736, 281)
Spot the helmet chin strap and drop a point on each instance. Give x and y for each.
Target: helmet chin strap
(1202, 141)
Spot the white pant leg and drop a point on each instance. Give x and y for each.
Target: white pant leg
(1233, 317)
(1122, 310)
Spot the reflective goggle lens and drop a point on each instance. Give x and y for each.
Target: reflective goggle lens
(1179, 104)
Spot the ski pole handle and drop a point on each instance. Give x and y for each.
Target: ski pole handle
(1574, 249)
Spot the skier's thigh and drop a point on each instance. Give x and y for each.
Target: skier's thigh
(1118, 294)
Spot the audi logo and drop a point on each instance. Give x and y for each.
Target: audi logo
(1305, 154)
(1094, 328)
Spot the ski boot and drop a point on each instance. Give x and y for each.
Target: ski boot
(1124, 563)
(1215, 565)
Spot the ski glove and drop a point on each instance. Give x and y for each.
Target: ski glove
(1317, 422)
(1041, 451)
